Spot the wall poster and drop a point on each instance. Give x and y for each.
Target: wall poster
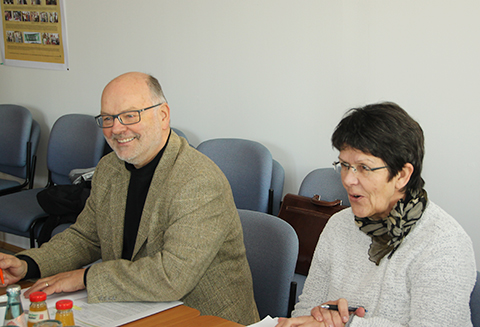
(34, 34)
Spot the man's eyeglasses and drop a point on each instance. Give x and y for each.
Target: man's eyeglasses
(125, 118)
(342, 167)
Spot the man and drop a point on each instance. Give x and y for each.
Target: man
(161, 216)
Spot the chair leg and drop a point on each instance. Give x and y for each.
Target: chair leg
(32, 177)
(29, 164)
(292, 298)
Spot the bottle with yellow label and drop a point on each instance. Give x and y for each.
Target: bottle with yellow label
(38, 310)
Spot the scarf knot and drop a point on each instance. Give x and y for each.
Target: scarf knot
(388, 234)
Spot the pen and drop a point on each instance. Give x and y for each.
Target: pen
(335, 307)
(1, 276)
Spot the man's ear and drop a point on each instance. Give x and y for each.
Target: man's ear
(164, 113)
(403, 176)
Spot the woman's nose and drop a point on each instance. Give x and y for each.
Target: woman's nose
(349, 177)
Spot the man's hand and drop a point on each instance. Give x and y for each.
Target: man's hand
(13, 268)
(69, 281)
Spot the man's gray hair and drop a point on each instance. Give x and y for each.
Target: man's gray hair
(155, 90)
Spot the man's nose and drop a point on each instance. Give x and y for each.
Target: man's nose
(117, 126)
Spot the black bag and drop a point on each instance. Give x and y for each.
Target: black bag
(63, 203)
(308, 216)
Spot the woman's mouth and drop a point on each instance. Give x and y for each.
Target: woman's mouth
(355, 196)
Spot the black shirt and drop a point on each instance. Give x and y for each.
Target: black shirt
(140, 180)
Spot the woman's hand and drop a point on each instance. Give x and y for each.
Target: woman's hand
(304, 321)
(334, 317)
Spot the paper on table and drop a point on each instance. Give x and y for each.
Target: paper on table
(107, 314)
(266, 322)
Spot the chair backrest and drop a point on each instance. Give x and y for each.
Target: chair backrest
(248, 167)
(475, 303)
(272, 249)
(180, 133)
(75, 142)
(16, 127)
(326, 183)
(19, 138)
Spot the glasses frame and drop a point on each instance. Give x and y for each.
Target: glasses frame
(100, 122)
(354, 169)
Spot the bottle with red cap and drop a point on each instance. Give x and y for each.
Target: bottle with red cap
(38, 310)
(64, 312)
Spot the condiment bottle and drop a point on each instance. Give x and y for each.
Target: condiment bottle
(38, 310)
(64, 312)
(14, 315)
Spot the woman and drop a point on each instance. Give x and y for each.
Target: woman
(394, 252)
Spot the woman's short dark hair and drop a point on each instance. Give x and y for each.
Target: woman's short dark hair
(386, 131)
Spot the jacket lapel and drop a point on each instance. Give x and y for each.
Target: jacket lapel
(118, 191)
(150, 208)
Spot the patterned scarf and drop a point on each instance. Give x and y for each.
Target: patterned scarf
(387, 234)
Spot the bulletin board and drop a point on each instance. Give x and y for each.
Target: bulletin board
(34, 34)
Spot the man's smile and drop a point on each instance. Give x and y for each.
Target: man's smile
(125, 140)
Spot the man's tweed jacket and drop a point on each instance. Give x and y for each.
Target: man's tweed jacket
(189, 245)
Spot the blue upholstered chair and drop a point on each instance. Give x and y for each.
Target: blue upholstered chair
(276, 187)
(328, 184)
(19, 137)
(272, 251)
(256, 179)
(75, 142)
(475, 303)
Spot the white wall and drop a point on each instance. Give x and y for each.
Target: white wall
(283, 73)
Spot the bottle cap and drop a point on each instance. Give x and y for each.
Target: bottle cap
(64, 304)
(14, 288)
(38, 296)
